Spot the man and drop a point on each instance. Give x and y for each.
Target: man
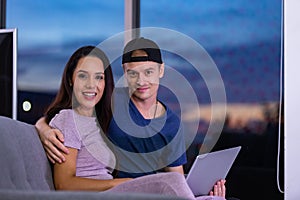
(148, 137)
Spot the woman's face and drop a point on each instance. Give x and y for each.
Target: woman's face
(88, 84)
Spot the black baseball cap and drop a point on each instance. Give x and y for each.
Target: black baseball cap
(149, 46)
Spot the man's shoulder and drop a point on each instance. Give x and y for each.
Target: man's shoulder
(121, 93)
(121, 90)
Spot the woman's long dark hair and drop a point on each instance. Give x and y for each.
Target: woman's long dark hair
(63, 99)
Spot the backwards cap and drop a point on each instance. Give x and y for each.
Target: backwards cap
(150, 47)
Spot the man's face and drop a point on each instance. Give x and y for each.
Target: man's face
(143, 77)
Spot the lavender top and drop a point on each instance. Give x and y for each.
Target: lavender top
(94, 159)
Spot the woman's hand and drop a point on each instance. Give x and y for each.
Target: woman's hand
(52, 140)
(219, 189)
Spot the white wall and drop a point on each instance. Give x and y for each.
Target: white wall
(292, 99)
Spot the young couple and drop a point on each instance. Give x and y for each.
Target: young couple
(94, 128)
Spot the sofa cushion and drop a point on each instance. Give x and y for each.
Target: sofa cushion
(23, 162)
(80, 195)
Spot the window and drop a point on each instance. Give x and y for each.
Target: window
(244, 40)
(48, 33)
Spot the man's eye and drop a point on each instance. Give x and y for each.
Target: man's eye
(149, 72)
(132, 74)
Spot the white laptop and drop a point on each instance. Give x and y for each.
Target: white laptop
(209, 168)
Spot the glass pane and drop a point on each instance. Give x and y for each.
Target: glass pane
(244, 40)
(48, 33)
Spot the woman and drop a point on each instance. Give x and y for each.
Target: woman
(83, 100)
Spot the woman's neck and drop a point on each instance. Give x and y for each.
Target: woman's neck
(84, 112)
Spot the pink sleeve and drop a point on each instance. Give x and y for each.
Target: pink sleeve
(64, 121)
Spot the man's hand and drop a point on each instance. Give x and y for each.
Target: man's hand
(52, 140)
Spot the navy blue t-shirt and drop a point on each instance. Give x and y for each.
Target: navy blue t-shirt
(144, 146)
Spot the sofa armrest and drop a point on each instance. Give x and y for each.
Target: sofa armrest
(23, 161)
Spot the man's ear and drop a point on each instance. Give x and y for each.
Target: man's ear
(124, 67)
(161, 70)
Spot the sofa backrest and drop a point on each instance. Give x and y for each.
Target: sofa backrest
(23, 162)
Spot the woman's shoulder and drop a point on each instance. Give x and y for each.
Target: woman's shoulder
(65, 113)
(63, 117)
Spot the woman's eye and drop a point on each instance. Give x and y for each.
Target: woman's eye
(99, 77)
(82, 76)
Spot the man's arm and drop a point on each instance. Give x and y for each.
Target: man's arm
(52, 140)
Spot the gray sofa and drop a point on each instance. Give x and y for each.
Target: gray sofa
(25, 172)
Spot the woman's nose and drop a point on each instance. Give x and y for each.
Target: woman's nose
(90, 83)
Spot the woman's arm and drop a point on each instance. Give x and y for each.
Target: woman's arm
(52, 140)
(65, 177)
(219, 189)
